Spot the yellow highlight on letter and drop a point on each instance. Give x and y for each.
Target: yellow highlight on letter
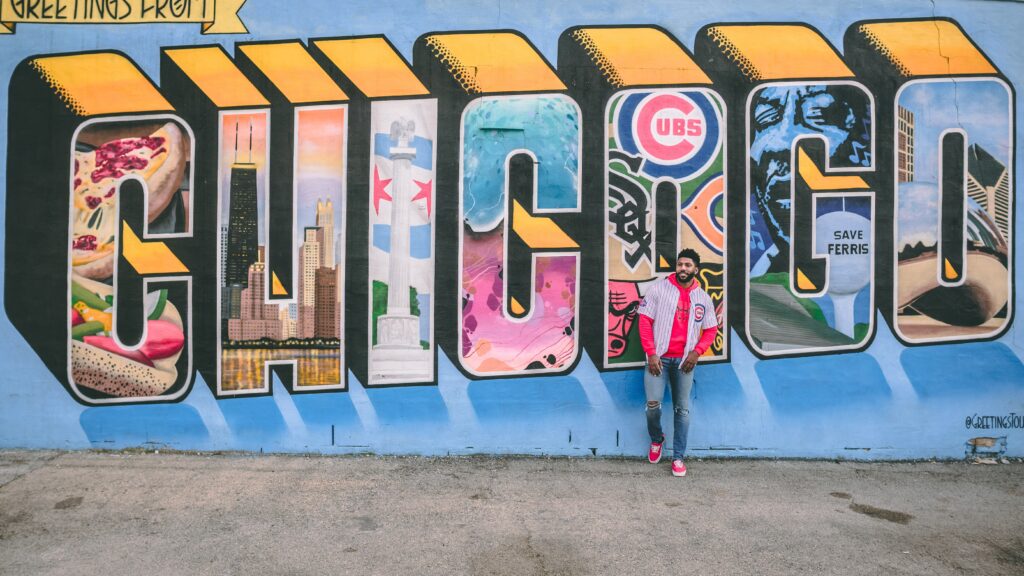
(537, 231)
(217, 76)
(927, 47)
(639, 56)
(950, 271)
(516, 307)
(817, 181)
(148, 257)
(100, 83)
(778, 51)
(291, 69)
(278, 287)
(373, 66)
(484, 62)
(803, 282)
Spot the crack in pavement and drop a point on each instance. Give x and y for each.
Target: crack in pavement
(32, 466)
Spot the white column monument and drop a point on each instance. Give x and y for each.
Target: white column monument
(398, 355)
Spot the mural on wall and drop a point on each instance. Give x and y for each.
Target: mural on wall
(215, 17)
(951, 155)
(391, 186)
(832, 311)
(110, 359)
(230, 117)
(664, 147)
(281, 223)
(519, 198)
(809, 133)
(953, 281)
(657, 157)
(305, 331)
(502, 333)
(326, 215)
(121, 165)
(402, 246)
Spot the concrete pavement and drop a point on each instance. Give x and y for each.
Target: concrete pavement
(154, 514)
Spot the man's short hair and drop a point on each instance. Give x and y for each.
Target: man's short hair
(691, 254)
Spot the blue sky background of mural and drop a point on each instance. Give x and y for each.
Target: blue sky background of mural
(975, 106)
(888, 396)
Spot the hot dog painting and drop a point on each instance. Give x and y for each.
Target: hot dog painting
(101, 364)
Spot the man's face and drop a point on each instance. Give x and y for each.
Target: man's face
(685, 270)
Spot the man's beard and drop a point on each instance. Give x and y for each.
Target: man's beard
(684, 278)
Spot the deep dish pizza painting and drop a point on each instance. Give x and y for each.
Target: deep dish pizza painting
(156, 158)
(156, 153)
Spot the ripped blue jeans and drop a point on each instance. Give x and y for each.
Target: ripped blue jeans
(654, 388)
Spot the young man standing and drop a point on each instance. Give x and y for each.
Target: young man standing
(677, 324)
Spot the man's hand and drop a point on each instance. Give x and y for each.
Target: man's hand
(654, 364)
(691, 361)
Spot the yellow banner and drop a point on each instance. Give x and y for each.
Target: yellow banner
(216, 16)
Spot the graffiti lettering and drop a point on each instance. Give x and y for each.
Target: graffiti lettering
(163, 9)
(1009, 421)
(493, 207)
(41, 9)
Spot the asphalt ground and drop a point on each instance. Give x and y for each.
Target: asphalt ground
(159, 513)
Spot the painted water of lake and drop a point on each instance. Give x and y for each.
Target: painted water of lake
(244, 369)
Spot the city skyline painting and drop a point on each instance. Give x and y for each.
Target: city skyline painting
(304, 331)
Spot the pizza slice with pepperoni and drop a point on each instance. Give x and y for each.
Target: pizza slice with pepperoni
(159, 159)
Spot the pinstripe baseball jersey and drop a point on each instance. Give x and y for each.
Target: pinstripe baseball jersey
(659, 304)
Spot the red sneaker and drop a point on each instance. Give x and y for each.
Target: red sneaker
(678, 468)
(654, 454)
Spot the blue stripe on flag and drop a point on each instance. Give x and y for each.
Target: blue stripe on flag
(419, 239)
(382, 144)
